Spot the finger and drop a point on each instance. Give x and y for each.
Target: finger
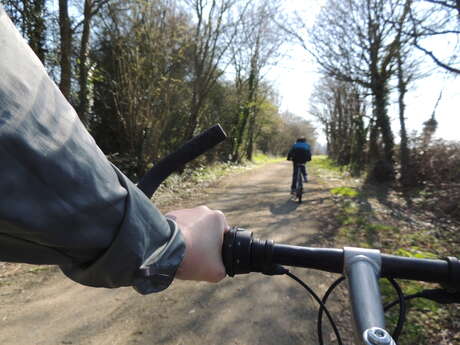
(224, 220)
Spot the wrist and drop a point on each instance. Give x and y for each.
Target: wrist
(185, 266)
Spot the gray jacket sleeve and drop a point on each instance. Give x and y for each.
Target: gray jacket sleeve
(62, 202)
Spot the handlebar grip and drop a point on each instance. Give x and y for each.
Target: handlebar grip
(242, 253)
(236, 251)
(186, 153)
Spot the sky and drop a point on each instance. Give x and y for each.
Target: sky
(294, 77)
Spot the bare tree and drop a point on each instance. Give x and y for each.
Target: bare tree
(214, 31)
(407, 67)
(341, 108)
(255, 47)
(356, 41)
(437, 19)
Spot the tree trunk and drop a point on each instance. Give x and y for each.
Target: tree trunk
(194, 114)
(240, 134)
(66, 48)
(374, 151)
(251, 133)
(83, 64)
(357, 160)
(404, 150)
(380, 91)
(245, 116)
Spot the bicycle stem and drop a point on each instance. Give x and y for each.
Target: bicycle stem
(362, 268)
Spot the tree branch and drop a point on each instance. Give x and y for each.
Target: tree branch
(436, 60)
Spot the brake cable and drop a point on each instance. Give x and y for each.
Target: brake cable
(320, 311)
(402, 309)
(322, 307)
(322, 303)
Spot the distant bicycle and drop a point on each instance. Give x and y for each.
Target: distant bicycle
(299, 182)
(299, 154)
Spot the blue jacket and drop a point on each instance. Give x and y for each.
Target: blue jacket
(300, 153)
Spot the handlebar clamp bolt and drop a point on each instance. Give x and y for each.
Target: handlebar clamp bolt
(378, 336)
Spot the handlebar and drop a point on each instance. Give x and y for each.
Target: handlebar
(242, 253)
(174, 161)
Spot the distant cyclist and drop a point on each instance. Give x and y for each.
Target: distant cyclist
(299, 154)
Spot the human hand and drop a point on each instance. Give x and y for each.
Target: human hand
(203, 231)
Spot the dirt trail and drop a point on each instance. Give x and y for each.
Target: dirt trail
(46, 308)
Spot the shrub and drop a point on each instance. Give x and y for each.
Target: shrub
(436, 168)
(437, 163)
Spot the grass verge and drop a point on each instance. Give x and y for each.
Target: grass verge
(372, 218)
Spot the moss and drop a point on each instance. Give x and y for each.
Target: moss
(381, 228)
(415, 252)
(347, 192)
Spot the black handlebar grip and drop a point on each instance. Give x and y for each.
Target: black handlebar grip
(227, 251)
(236, 251)
(186, 153)
(242, 253)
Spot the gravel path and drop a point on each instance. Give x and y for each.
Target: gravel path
(43, 307)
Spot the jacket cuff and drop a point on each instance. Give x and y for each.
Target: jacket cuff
(144, 253)
(159, 269)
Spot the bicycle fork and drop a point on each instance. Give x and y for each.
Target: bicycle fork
(362, 269)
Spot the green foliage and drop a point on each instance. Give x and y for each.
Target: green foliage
(414, 332)
(340, 107)
(416, 252)
(425, 320)
(126, 164)
(325, 162)
(386, 230)
(260, 158)
(345, 192)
